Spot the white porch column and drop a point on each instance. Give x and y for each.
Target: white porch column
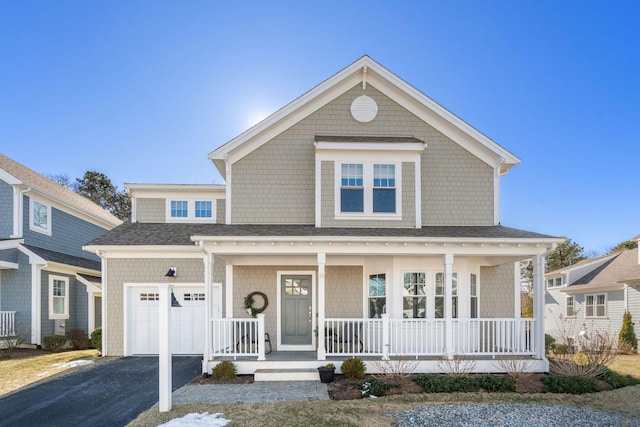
(322, 351)
(208, 298)
(228, 291)
(517, 302)
(538, 305)
(448, 305)
(164, 346)
(260, 337)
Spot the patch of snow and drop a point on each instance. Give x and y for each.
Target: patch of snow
(42, 374)
(74, 363)
(197, 420)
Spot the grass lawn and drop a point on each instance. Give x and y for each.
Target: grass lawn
(19, 372)
(373, 412)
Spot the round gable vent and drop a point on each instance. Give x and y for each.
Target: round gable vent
(364, 109)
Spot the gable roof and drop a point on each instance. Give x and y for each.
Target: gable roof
(20, 174)
(366, 70)
(622, 268)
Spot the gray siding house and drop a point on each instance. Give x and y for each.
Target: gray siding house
(48, 283)
(593, 295)
(362, 219)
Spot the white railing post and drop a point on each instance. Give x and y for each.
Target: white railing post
(322, 351)
(448, 305)
(538, 306)
(386, 341)
(260, 337)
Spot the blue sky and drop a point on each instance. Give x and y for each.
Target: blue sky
(143, 90)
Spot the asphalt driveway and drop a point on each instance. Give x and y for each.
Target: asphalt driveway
(112, 394)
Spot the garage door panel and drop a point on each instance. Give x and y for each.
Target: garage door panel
(187, 321)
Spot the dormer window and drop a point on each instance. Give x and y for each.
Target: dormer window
(190, 210)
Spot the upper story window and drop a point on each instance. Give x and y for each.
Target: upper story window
(40, 217)
(58, 297)
(554, 283)
(368, 189)
(190, 210)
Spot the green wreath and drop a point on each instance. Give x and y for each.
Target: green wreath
(248, 303)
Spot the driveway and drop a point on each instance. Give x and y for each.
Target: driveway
(112, 394)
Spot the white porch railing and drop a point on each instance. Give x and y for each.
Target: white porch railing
(427, 337)
(7, 324)
(238, 337)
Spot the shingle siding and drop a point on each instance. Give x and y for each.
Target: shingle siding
(9, 255)
(151, 210)
(275, 183)
(497, 298)
(16, 294)
(343, 292)
(6, 210)
(137, 270)
(78, 313)
(68, 233)
(634, 306)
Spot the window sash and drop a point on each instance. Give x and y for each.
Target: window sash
(179, 209)
(570, 307)
(414, 300)
(203, 209)
(377, 295)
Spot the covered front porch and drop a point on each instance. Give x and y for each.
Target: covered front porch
(374, 298)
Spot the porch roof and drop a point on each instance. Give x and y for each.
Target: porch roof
(143, 234)
(62, 258)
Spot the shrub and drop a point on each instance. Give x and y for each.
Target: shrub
(53, 342)
(432, 383)
(570, 385)
(549, 343)
(616, 380)
(627, 333)
(496, 384)
(96, 339)
(353, 368)
(78, 338)
(224, 370)
(375, 387)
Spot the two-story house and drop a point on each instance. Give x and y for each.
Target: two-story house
(362, 219)
(593, 295)
(48, 284)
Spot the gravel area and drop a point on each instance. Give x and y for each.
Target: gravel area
(509, 415)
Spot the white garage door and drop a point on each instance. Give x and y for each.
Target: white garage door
(187, 322)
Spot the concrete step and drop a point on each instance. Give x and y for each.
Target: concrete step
(286, 375)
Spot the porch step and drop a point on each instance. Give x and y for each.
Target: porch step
(286, 375)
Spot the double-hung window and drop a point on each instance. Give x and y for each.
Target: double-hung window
(351, 188)
(473, 290)
(414, 303)
(58, 297)
(595, 305)
(570, 306)
(190, 210)
(377, 295)
(369, 189)
(554, 283)
(439, 299)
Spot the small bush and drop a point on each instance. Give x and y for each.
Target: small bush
(496, 384)
(375, 387)
(78, 338)
(53, 342)
(561, 349)
(432, 383)
(549, 343)
(627, 333)
(570, 385)
(224, 370)
(616, 380)
(96, 339)
(353, 368)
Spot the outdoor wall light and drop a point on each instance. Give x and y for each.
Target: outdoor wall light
(172, 272)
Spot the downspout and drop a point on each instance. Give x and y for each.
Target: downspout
(103, 302)
(18, 208)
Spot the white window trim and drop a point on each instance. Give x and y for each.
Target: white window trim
(595, 306)
(367, 181)
(64, 315)
(471, 296)
(32, 226)
(554, 280)
(566, 306)
(191, 210)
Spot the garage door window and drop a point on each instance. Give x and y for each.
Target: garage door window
(149, 297)
(194, 297)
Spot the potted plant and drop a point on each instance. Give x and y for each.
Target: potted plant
(326, 372)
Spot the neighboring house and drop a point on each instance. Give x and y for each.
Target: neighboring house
(365, 213)
(48, 284)
(593, 295)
